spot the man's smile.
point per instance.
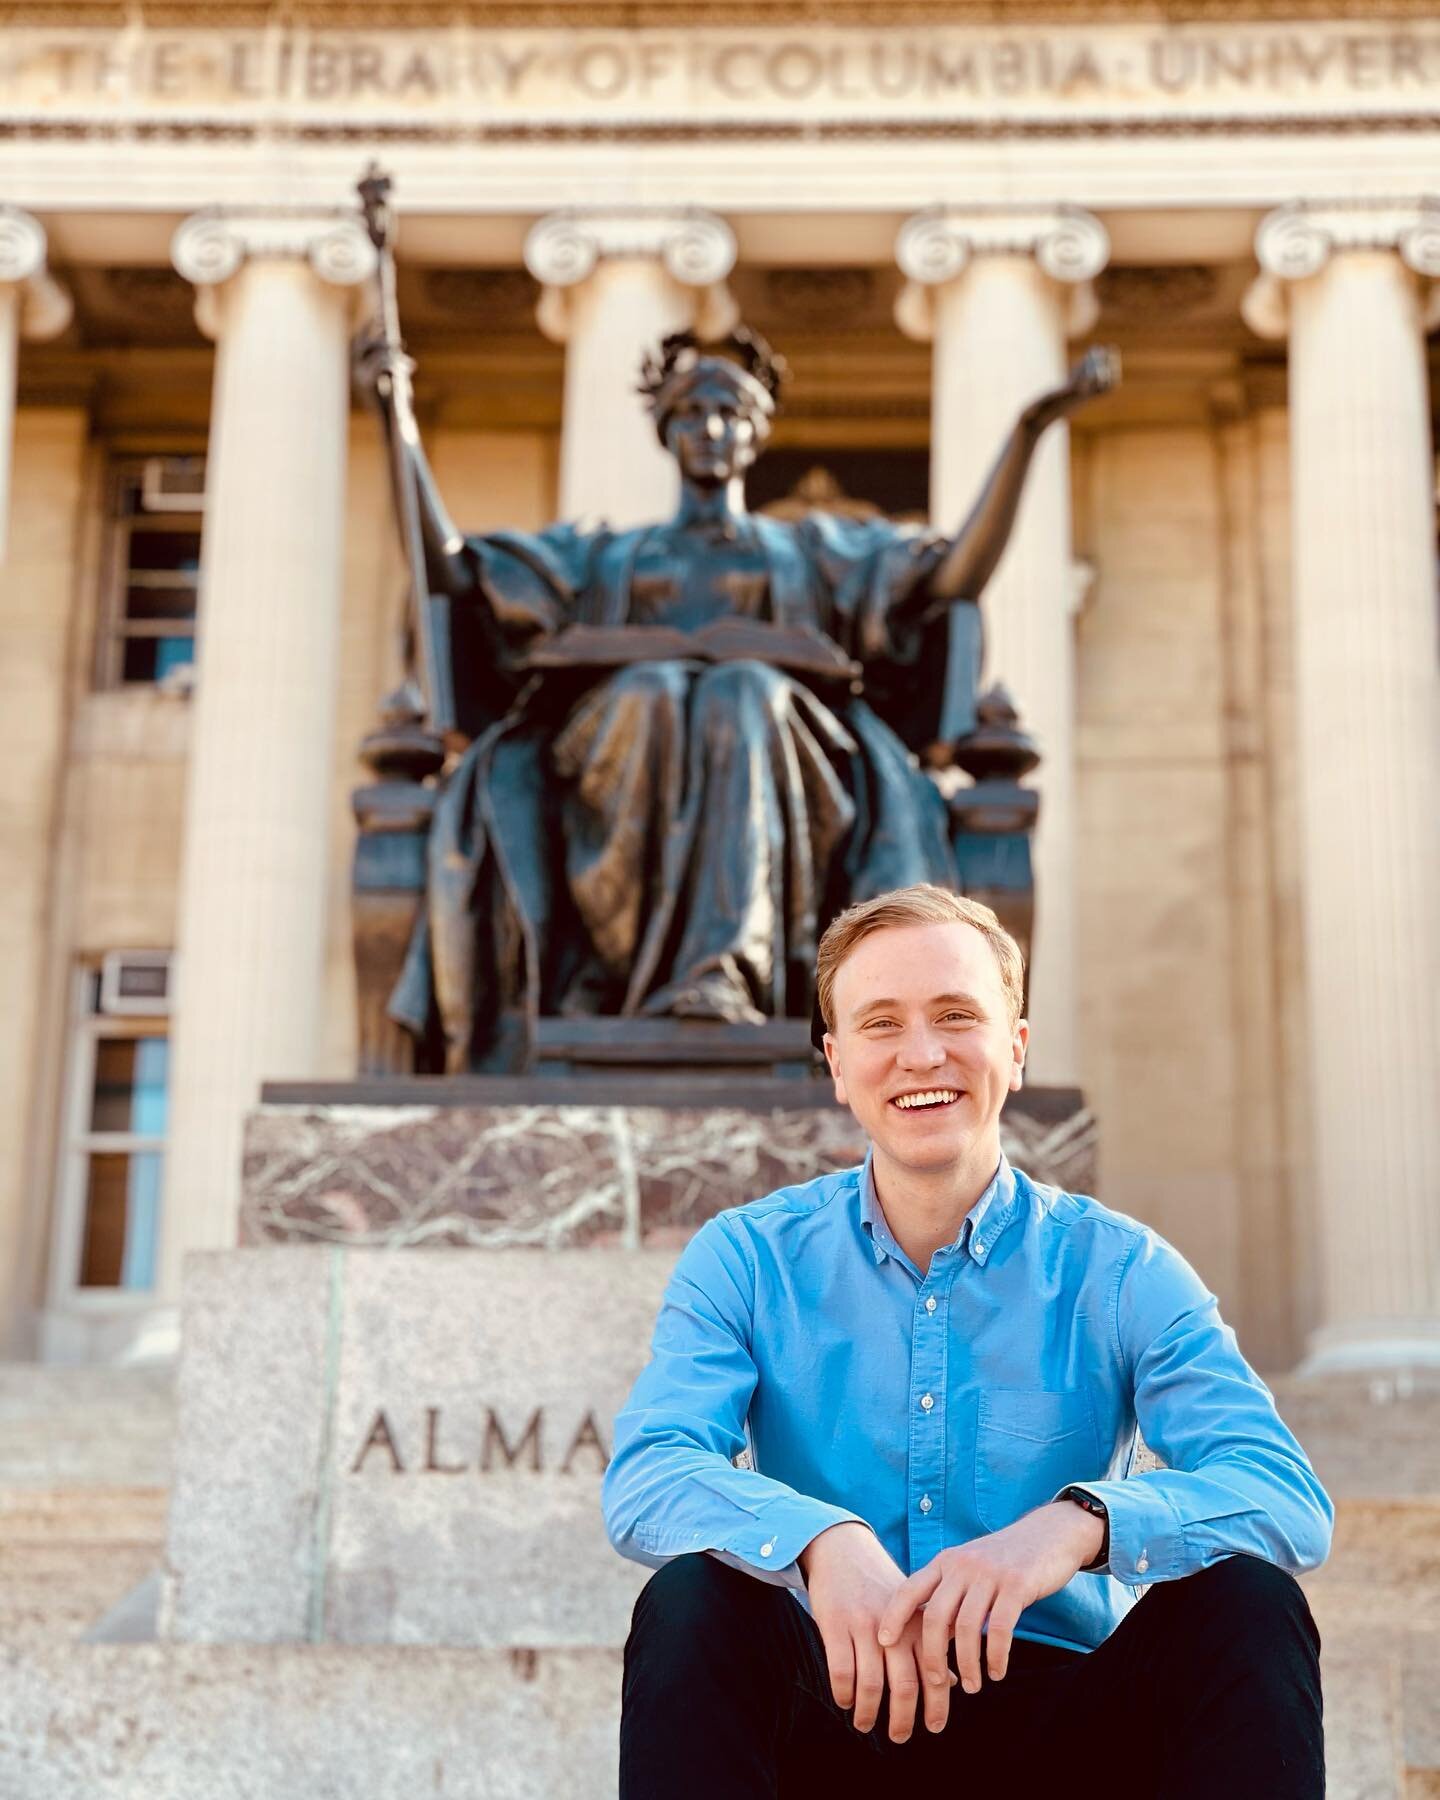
(927, 1099)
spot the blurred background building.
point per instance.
(1218, 616)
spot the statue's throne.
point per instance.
(992, 819)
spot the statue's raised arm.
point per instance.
(383, 371)
(980, 542)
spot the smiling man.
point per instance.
(933, 1557)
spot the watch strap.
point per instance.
(1099, 1510)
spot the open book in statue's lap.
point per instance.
(703, 733)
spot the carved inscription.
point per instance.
(570, 76)
(434, 1442)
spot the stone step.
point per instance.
(82, 1515)
(1379, 1708)
(54, 1593)
(189, 1722)
(64, 1427)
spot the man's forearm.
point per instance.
(1169, 1523)
(666, 1500)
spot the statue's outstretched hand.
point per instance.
(1097, 372)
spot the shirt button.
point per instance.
(765, 1549)
(1143, 1564)
(927, 1401)
(930, 1304)
(926, 1503)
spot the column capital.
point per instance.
(45, 306)
(1069, 244)
(1299, 240)
(694, 248)
(213, 246)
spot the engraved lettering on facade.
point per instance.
(479, 1441)
(433, 1464)
(587, 1437)
(379, 1436)
(495, 1439)
(721, 73)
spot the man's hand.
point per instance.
(994, 1578)
(851, 1581)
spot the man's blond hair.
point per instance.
(923, 904)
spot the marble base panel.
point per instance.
(535, 1170)
(390, 1449)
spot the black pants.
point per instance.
(1209, 1689)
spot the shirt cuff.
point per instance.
(1145, 1536)
(770, 1546)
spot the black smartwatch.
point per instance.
(1097, 1507)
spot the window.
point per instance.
(110, 1214)
(154, 516)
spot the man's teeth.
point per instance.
(935, 1097)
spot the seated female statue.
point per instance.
(703, 734)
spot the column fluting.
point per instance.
(1352, 285)
(279, 294)
(998, 293)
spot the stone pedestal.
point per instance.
(383, 1449)
(396, 1407)
(505, 1163)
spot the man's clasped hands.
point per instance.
(881, 1629)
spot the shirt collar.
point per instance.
(984, 1222)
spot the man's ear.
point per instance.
(1019, 1044)
(832, 1057)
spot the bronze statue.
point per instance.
(690, 743)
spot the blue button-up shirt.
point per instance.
(804, 1371)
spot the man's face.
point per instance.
(711, 437)
(920, 1011)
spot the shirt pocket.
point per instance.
(1030, 1442)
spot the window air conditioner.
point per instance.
(173, 484)
(136, 981)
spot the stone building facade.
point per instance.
(1218, 613)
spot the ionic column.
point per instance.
(32, 305)
(279, 295)
(1354, 287)
(998, 293)
(615, 284)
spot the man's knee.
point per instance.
(1247, 1598)
(691, 1595)
(1253, 1584)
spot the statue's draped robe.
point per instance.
(676, 829)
